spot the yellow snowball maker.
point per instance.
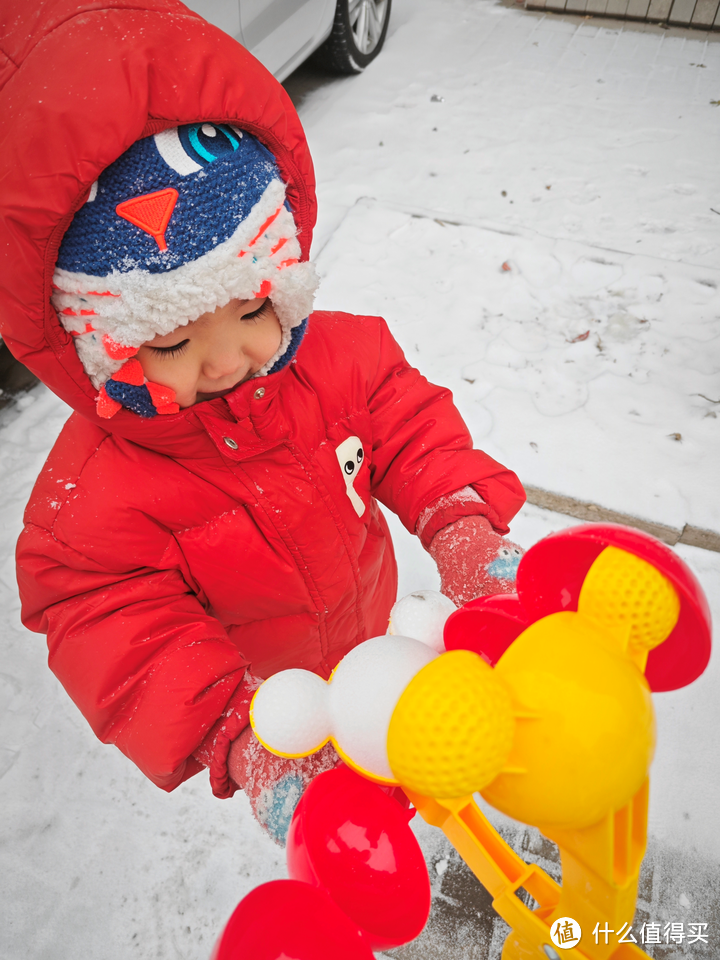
(560, 735)
(562, 729)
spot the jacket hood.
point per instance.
(79, 84)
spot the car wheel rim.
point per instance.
(367, 19)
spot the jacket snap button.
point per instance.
(230, 443)
(260, 393)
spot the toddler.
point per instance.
(209, 514)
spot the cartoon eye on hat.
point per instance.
(350, 457)
(189, 148)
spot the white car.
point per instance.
(344, 35)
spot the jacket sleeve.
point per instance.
(423, 451)
(149, 668)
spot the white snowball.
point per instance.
(422, 615)
(364, 691)
(290, 713)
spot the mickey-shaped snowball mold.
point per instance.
(585, 734)
(557, 734)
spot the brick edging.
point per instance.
(584, 510)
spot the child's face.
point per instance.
(205, 359)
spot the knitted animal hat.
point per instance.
(182, 223)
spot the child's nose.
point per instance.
(222, 362)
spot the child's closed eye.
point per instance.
(173, 351)
(177, 348)
(255, 315)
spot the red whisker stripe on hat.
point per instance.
(78, 333)
(98, 293)
(264, 227)
(288, 263)
(264, 291)
(279, 244)
(117, 351)
(69, 312)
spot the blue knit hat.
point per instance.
(182, 223)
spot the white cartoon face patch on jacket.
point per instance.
(350, 457)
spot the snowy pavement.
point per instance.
(583, 157)
(592, 372)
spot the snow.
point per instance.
(471, 113)
(363, 692)
(290, 713)
(422, 614)
(546, 340)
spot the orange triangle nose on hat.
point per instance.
(151, 212)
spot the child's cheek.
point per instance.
(145, 358)
(168, 372)
(265, 341)
(182, 382)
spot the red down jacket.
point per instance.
(160, 560)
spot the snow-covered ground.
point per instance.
(586, 369)
(583, 157)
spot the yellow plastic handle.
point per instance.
(502, 872)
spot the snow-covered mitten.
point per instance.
(214, 749)
(273, 784)
(473, 560)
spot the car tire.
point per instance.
(357, 35)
